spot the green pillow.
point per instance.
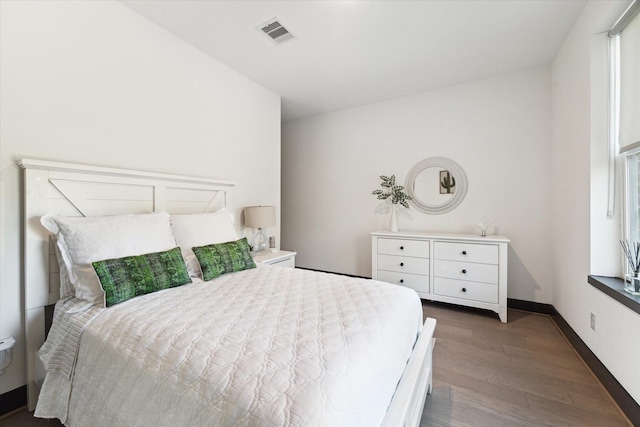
(224, 258)
(128, 277)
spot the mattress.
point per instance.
(270, 346)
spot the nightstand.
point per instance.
(281, 258)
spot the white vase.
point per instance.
(393, 227)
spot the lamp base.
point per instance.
(260, 242)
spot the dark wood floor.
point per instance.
(486, 373)
(523, 373)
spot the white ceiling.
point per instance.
(349, 53)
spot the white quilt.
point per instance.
(270, 346)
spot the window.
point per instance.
(633, 197)
(624, 117)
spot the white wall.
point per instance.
(93, 82)
(497, 129)
(579, 153)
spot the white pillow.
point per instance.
(83, 240)
(66, 287)
(192, 230)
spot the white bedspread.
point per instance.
(270, 346)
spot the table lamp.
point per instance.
(259, 217)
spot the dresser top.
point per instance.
(493, 238)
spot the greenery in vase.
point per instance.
(632, 252)
(392, 191)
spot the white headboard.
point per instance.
(79, 190)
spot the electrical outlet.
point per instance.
(593, 322)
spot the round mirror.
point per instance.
(437, 185)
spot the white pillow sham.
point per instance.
(83, 240)
(66, 287)
(192, 230)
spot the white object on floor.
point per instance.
(6, 344)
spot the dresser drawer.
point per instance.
(483, 292)
(487, 273)
(487, 254)
(413, 281)
(403, 264)
(413, 248)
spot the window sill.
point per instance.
(614, 287)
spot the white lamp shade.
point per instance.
(259, 216)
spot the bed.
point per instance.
(261, 345)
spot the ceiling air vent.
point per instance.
(275, 31)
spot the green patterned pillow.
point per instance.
(128, 277)
(224, 258)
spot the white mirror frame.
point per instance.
(444, 163)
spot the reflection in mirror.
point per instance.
(447, 182)
(437, 185)
(428, 186)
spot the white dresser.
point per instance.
(463, 269)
